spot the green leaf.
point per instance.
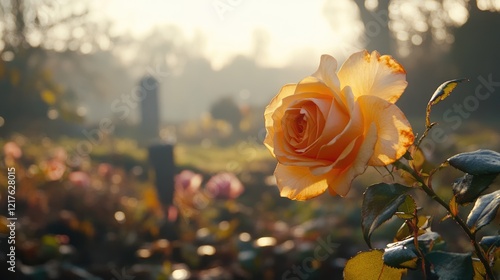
(407, 209)
(380, 202)
(480, 162)
(369, 265)
(469, 187)
(484, 211)
(451, 266)
(404, 254)
(429, 239)
(423, 223)
(488, 242)
(401, 256)
(443, 91)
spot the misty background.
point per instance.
(95, 195)
(66, 63)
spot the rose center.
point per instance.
(300, 122)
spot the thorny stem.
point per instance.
(414, 228)
(472, 235)
(427, 129)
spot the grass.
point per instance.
(235, 158)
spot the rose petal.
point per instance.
(338, 118)
(296, 182)
(327, 72)
(344, 159)
(395, 134)
(372, 74)
(313, 111)
(314, 85)
(285, 91)
(341, 140)
(282, 149)
(341, 183)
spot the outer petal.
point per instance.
(285, 91)
(341, 182)
(395, 134)
(372, 74)
(296, 182)
(342, 139)
(327, 72)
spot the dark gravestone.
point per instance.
(160, 154)
(150, 115)
(161, 157)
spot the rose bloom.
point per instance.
(224, 185)
(325, 130)
(79, 179)
(187, 181)
(53, 169)
(12, 150)
(187, 185)
(105, 170)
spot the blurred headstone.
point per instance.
(161, 157)
(150, 115)
(160, 154)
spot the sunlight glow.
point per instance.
(489, 5)
(283, 28)
(457, 13)
(52, 114)
(206, 250)
(244, 237)
(180, 274)
(371, 4)
(411, 19)
(224, 225)
(285, 247)
(202, 233)
(120, 216)
(265, 242)
(162, 243)
(144, 253)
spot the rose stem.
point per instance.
(458, 220)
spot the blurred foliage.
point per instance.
(226, 109)
(106, 211)
(32, 33)
(103, 215)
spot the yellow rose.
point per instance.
(325, 130)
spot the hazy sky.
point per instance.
(286, 29)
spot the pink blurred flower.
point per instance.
(187, 181)
(224, 185)
(79, 179)
(105, 170)
(59, 154)
(53, 169)
(187, 194)
(12, 150)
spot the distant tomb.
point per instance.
(150, 113)
(160, 154)
(161, 157)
